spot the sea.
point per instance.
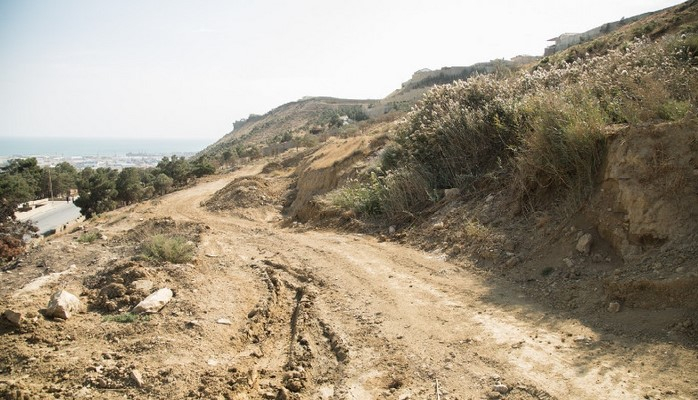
(70, 147)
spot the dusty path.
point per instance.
(409, 319)
(320, 315)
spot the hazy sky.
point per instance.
(185, 69)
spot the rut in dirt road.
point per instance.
(408, 319)
(274, 313)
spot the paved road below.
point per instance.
(53, 215)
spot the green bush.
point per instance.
(174, 249)
(361, 197)
(88, 237)
(674, 110)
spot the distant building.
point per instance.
(562, 42)
(567, 40)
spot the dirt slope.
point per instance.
(266, 312)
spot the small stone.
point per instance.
(294, 385)
(283, 394)
(155, 302)
(137, 377)
(14, 317)
(142, 285)
(568, 262)
(224, 321)
(391, 229)
(110, 305)
(500, 388)
(511, 262)
(62, 305)
(614, 307)
(584, 244)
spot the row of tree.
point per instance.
(100, 189)
(22, 180)
(104, 189)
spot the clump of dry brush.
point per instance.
(542, 132)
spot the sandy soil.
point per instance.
(266, 312)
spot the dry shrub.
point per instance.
(174, 249)
(460, 131)
(540, 131)
(405, 191)
(394, 195)
(564, 148)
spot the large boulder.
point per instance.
(62, 305)
(155, 302)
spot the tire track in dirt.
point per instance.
(406, 320)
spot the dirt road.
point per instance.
(267, 312)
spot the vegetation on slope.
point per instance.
(541, 133)
(297, 124)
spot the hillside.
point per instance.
(530, 234)
(314, 116)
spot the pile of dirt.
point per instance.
(247, 192)
(332, 164)
(119, 287)
(255, 198)
(161, 226)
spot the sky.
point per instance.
(183, 69)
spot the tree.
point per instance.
(228, 156)
(162, 184)
(202, 167)
(355, 113)
(129, 187)
(12, 231)
(57, 181)
(177, 168)
(19, 182)
(15, 189)
(97, 191)
(66, 176)
(28, 170)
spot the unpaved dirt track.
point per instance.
(404, 319)
(323, 315)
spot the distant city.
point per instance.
(95, 153)
(115, 161)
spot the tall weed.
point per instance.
(540, 132)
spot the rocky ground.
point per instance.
(267, 312)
